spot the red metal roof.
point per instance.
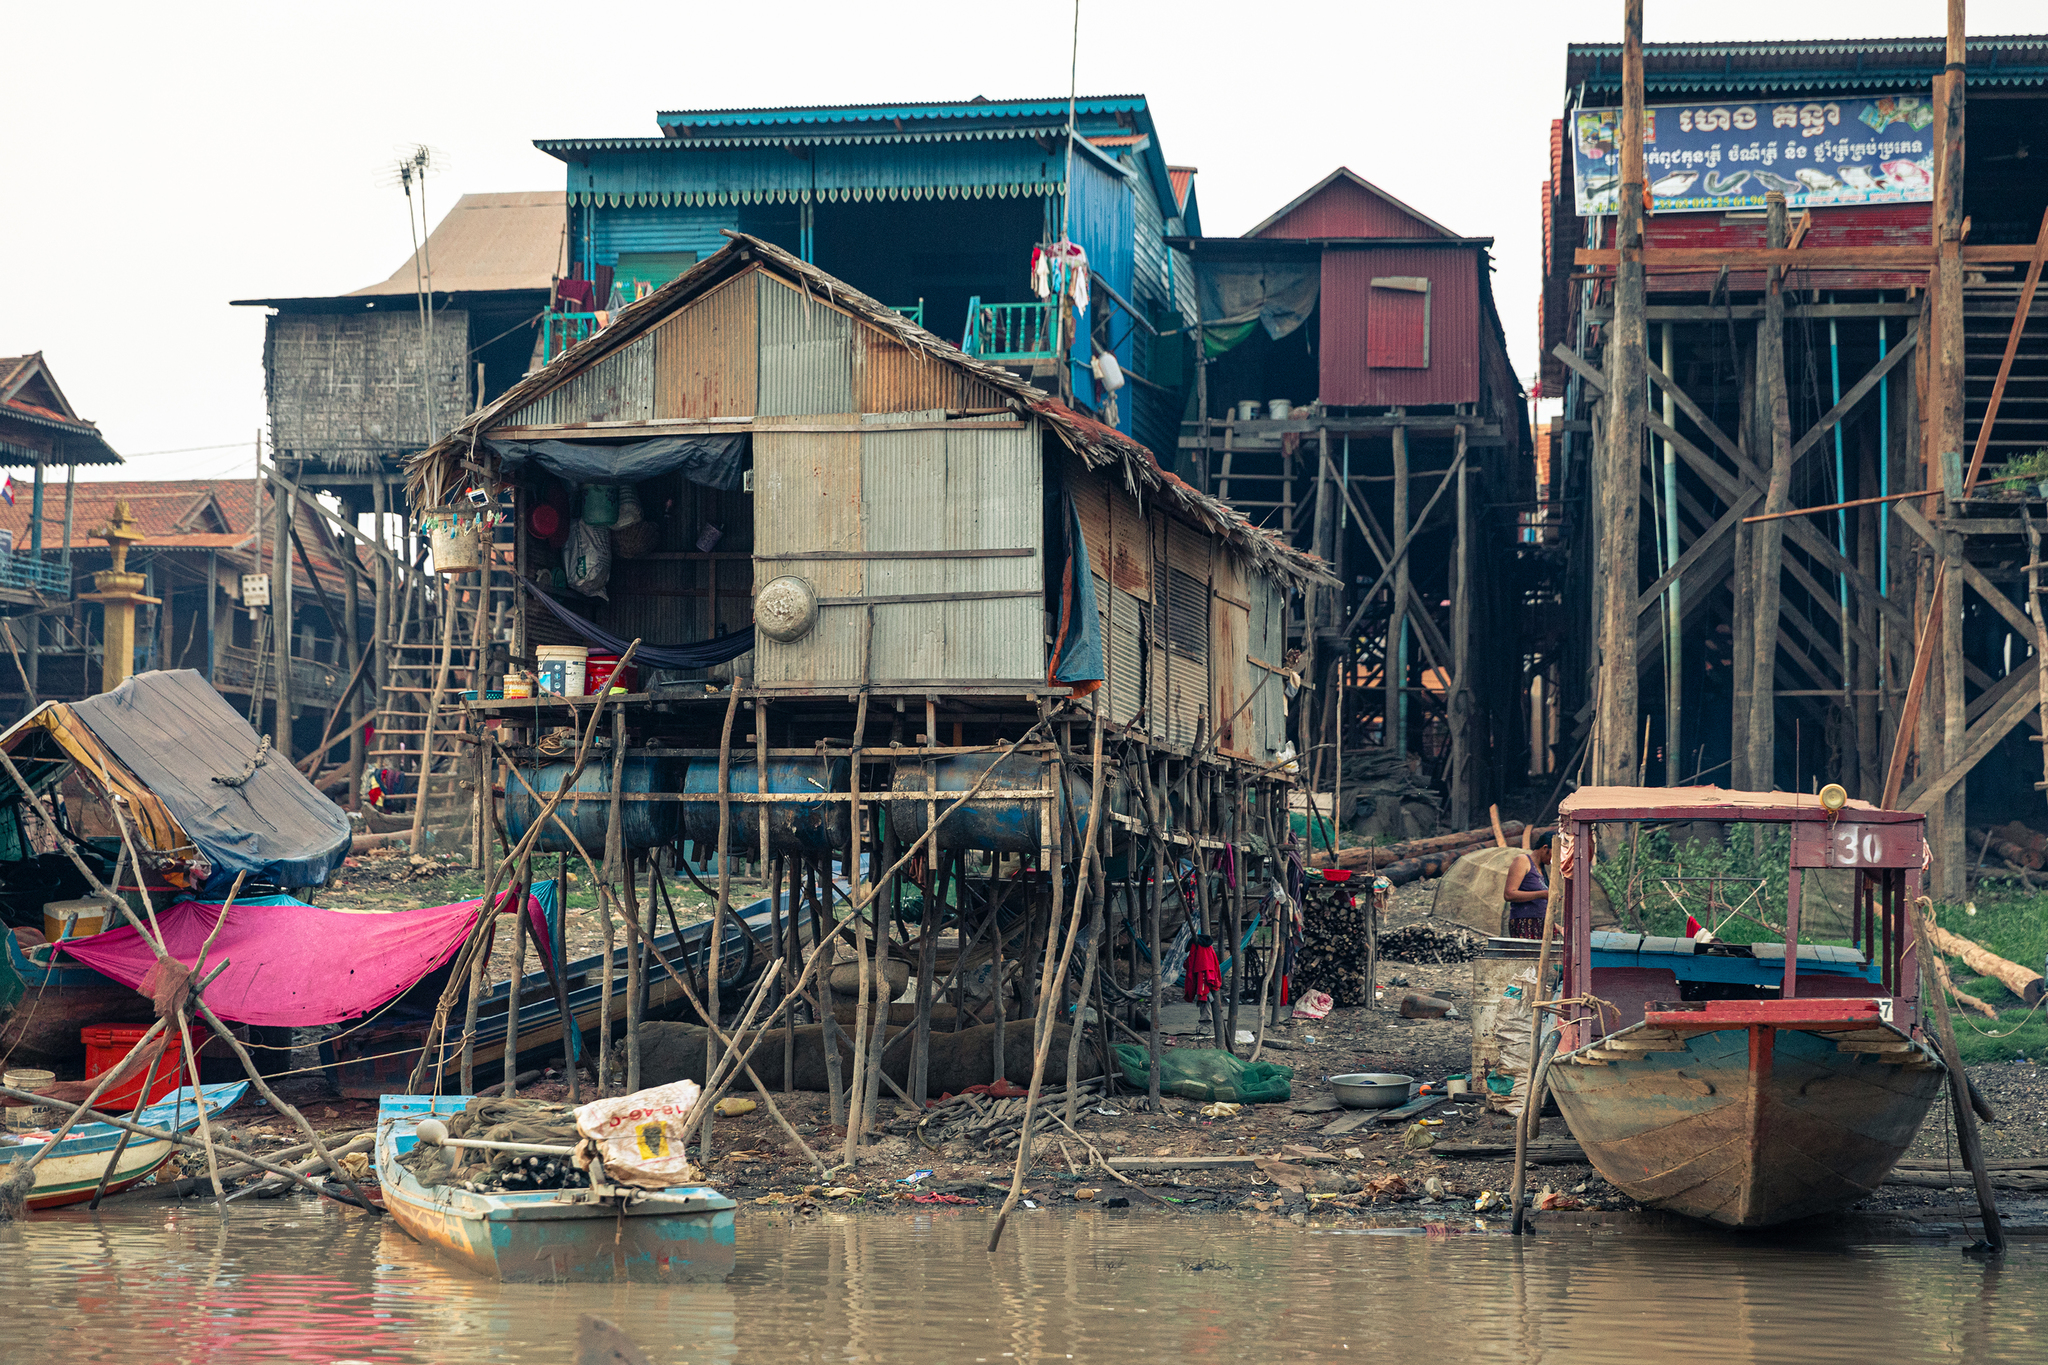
(1181, 177)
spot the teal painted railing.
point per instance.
(560, 331)
(915, 311)
(24, 572)
(1005, 332)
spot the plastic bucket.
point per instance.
(598, 674)
(107, 1044)
(74, 919)
(453, 536)
(1279, 409)
(518, 687)
(22, 1117)
(562, 669)
(1248, 410)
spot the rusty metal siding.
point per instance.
(1347, 209)
(807, 496)
(807, 353)
(1265, 723)
(618, 388)
(1229, 642)
(706, 356)
(1864, 225)
(1455, 323)
(957, 489)
(892, 377)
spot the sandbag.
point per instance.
(643, 1137)
(671, 1051)
(587, 559)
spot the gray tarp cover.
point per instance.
(1279, 295)
(715, 459)
(176, 734)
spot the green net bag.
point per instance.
(1206, 1074)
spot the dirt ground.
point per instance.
(1376, 1173)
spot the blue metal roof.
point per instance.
(885, 113)
(1870, 65)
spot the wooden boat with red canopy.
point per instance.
(1752, 1105)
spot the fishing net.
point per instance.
(1206, 1074)
(497, 1119)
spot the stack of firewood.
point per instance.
(1336, 944)
(1425, 944)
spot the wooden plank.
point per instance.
(1701, 544)
(1972, 575)
(1020, 552)
(1980, 739)
(1757, 257)
(1584, 368)
(1855, 395)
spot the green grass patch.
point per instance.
(1979, 1040)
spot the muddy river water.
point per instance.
(307, 1281)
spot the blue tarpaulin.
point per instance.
(1077, 658)
(709, 653)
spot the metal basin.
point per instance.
(1372, 1089)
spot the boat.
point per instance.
(604, 1234)
(72, 1172)
(1779, 1081)
(58, 1000)
(382, 1058)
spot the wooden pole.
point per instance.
(1967, 1135)
(1157, 796)
(1628, 420)
(1396, 673)
(1769, 542)
(281, 624)
(1532, 1102)
(711, 993)
(1459, 692)
(509, 1087)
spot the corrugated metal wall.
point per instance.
(1119, 557)
(1455, 323)
(613, 230)
(1229, 641)
(891, 377)
(1345, 209)
(807, 496)
(1268, 644)
(706, 357)
(958, 489)
(1103, 221)
(618, 388)
(807, 353)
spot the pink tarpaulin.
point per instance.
(291, 964)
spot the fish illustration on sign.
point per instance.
(1907, 175)
(1860, 178)
(1817, 181)
(1718, 186)
(1673, 185)
(1777, 182)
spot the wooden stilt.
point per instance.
(1616, 723)
(509, 1087)
(711, 952)
(1460, 697)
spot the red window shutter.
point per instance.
(1397, 323)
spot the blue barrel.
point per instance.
(648, 824)
(793, 826)
(1008, 826)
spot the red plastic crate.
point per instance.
(107, 1044)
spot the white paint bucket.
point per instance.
(562, 669)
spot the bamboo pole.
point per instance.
(1959, 1096)
(711, 949)
(1532, 1102)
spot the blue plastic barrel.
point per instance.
(648, 824)
(1009, 826)
(794, 827)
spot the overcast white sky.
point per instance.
(162, 160)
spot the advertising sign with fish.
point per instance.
(1703, 158)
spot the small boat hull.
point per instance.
(70, 1174)
(677, 1236)
(1751, 1125)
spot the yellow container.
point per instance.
(75, 919)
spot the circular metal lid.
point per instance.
(786, 608)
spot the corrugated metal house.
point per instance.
(934, 208)
(906, 483)
(1353, 368)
